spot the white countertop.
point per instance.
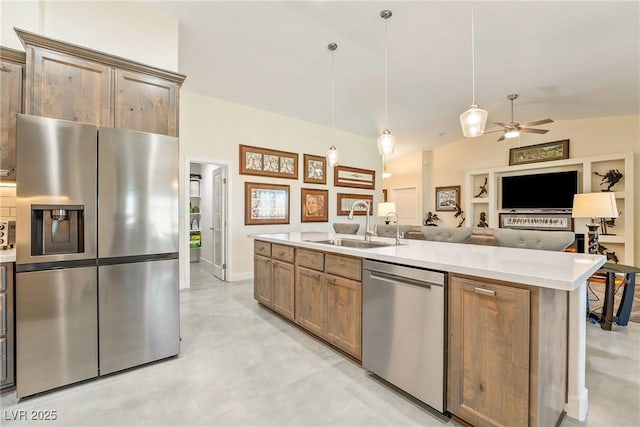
(548, 269)
(8, 255)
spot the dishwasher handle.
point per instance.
(394, 278)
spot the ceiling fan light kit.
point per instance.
(475, 118)
(386, 141)
(513, 129)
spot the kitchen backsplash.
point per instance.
(7, 203)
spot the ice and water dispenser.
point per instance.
(57, 229)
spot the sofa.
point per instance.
(526, 239)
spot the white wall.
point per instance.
(112, 27)
(211, 130)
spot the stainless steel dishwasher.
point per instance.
(403, 328)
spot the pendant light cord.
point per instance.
(333, 53)
(473, 59)
(386, 89)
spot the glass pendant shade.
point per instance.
(473, 121)
(386, 143)
(332, 156)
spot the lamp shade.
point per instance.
(594, 205)
(473, 121)
(386, 208)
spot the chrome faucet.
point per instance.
(397, 226)
(367, 233)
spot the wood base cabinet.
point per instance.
(273, 283)
(507, 353)
(323, 294)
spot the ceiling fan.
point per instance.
(513, 129)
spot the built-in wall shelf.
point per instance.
(623, 240)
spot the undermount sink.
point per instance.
(351, 243)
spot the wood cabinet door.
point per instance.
(66, 87)
(146, 103)
(344, 314)
(311, 301)
(10, 105)
(262, 272)
(283, 288)
(488, 382)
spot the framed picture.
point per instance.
(315, 169)
(555, 150)
(265, 162)
(344, 176)
(266, 203)
(447, 198)
(385, 195)
(537, 221)
(314, 205)
(346, 201)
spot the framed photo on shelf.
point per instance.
(545, 152)
(314, 205)
(345, 176)
(447, 198)
(346, 201)
(266, 203)
(266, 162)
(561, 221)
(315, 169)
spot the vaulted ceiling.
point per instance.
(566, 60)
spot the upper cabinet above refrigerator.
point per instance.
(70, 82)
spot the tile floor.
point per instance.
(242, 365)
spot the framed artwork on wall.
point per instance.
(346, 201)
(345, 176)
(555, 150)
(447, 198)
(266, 203)
(314, 205)
(537, 221)
(315, 169)
(266, 162)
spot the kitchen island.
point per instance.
(557, 272)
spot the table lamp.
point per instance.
(594, 205)
(386, 208)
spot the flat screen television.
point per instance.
(540, 191)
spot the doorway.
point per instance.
(406, 205)
(207, 226)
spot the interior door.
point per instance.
(219, 222)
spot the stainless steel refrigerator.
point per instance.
(97, 251)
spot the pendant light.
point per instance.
(386, 141)
(474, 119)
(332, 154)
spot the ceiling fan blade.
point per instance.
(494, 131)
(501, 138)
(529, 130)
(537, 123)
(504, 125)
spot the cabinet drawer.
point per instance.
(344, 266)
(310, 259)
(283, 253)
(262, 248)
